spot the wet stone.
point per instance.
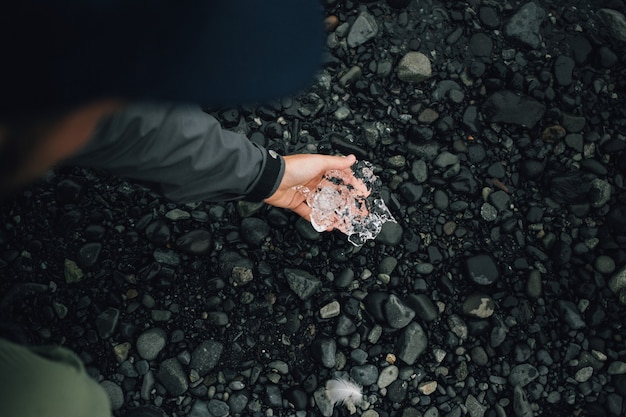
(115, 394)
(106, 322)
(178, 214)
(521, 406)
(362, 30)
(508, 107)
(396, 392)
(570, 314)
(414, 67)
(323, 349)
(523, 375)
(411, 343)
(172, 376)
(72, 272)
(479, 356)
(387, 376)
(390, 234)
(150, 343)
(195, 242)
(524, 25)
(254, 230)
(158, 233)
(424, 308)
(563, 67)
(206, 356)
(480, 45)
(302, 283)
(482, 269)
(478, 306)
(398, 314)
(88, 254)
(364, 374)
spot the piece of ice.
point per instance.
(349, 200)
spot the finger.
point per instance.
(303, 210)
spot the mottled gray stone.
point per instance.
(411, 343)
(414, 67)
(524, 25)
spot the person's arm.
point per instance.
(183, 153)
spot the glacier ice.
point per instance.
(349, 200)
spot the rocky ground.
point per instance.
(497, 130)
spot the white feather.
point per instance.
(343, 392)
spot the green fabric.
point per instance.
(47, 382)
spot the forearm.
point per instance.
(184, 152)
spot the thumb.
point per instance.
(339, 162)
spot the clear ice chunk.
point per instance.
(349, 200)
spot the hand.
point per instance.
(306, 170)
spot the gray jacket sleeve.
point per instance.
(183, 153)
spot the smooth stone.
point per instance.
(158, 232)
(196, 242)
(390, 234)
(397, 313)
(411, 343)
(618, 281)
(362, 30)
(364, 374)
(150, 343)
(178, 214)
(478, 306)
(571, 315)
(508, 107)
(522, 375)
(424, 308)
(115, 394)
(387, 376)
(482, 269)
(302, 283)
(173, 377)
(524, 26)
(324, 349)
(88, 254)
(414, 67)
(206, 356)
(521, 405)
(106, 322)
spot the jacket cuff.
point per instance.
(270, 177)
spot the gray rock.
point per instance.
(398, 314)
(479, 306)
(150, 343)
(563, 67)
(482, 269)
(364, 374)
(600, 192)
(387, 376)
(614, 22)
(115, 394)
(480, 45)
(390, 234)
(411, 343)
(205, 356)
(571, 315)
(479, 356)
(618, 281)
(324, 349)
(458, 326)
(419, 170)
(474, 407)
(414, 67)
(522, 375)
(521, 405)
(362, 30)
(199, 409)
(445, 159)
(424, 308)
(508, 107)
(218, 408)
(534, 284)
(238, 402)
(89, 253)
(524, 25)
(106, 322)
(172, 376)
(302, 283)
(195, 242)
(254, 230)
